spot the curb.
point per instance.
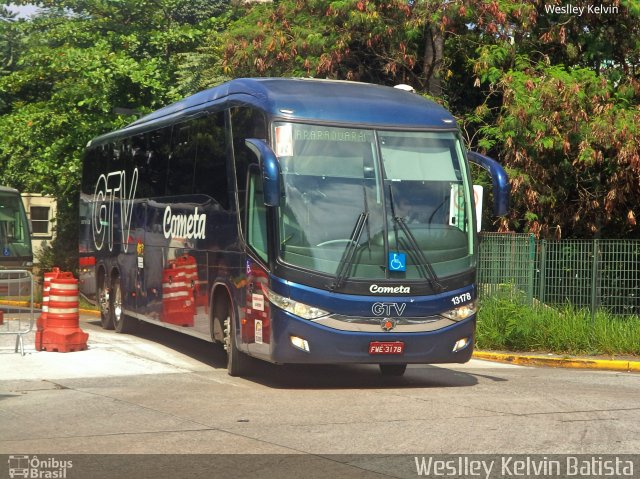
(22, 304)
(25, 304)
(557, 362)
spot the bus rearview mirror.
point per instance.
(270, 169)
(499, 180)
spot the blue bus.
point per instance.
(291, 220)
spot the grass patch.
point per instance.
(84, 304)
(37, 300)
(506, 322)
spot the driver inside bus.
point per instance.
(411, 211)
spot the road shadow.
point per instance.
(357, 376)
(307, 376)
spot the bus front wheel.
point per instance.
(237, 361)
(392, 369)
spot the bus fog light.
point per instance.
(461, 344)
(300, 343)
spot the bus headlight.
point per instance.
(295, 307)
(461, 312)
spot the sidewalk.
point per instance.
(108, 354)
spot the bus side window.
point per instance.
(256, 213)
(181, 171)
(115, 157)
(211, 160)
(151, 160)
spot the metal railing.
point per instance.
(17, 305)
(594, 274)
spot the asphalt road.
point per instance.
(159, 392)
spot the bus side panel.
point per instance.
(187, 262)
(156, 211)
(94, 165)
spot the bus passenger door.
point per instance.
(256, 327)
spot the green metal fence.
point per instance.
(593, 274)
(506, 263)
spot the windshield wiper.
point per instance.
(422, 262)
(347, 255)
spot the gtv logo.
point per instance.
(113, 190)
(388, 309)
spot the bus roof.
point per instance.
(302, 99)
(8, 189)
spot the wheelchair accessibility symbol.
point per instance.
(397, 261)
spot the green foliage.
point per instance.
(508, 324)
(199, 69)
(65, 71)
(560, 109)
(379, 42)
(570, 137)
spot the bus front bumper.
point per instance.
(298, 341)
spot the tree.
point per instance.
(353, 40)
(8, 39)
(77, 61)
(572, 145)
(561, 110)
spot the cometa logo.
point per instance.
(191, 226)
(376, 289)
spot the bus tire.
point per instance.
(104, 301)
(121, 322)
(392, 369)
(237, 361)
(217, 321)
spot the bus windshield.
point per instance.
(15, 239)
(395, 199)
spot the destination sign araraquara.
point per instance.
(308, 137)
(330, 134)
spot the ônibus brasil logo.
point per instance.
(34, 467)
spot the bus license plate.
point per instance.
(380, 347)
